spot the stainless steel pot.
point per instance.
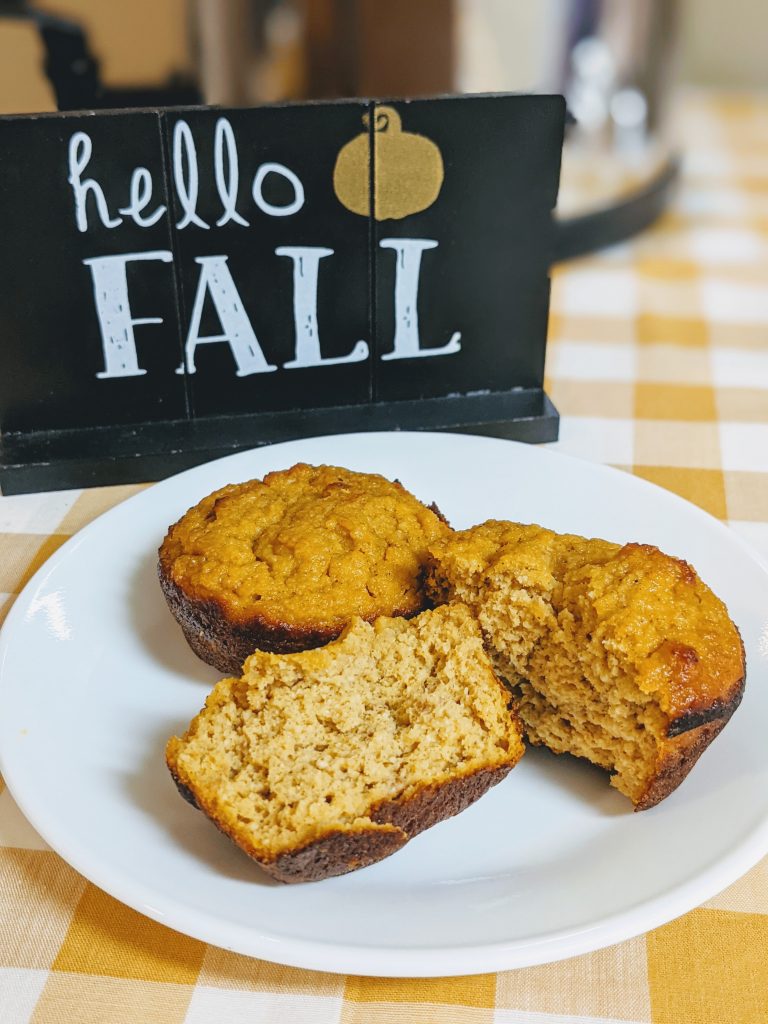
(614, 60)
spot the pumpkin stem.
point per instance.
(387, 119)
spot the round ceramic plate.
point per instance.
(95, 677)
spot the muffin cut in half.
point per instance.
(620, 655)
(324, 761)
(284, 563)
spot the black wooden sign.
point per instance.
(179, 284)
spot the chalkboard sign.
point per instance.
(179, 284)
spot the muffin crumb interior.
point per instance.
(307, 743)
(603, 644)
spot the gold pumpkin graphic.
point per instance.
(408, 170)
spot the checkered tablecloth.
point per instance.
(658, 361)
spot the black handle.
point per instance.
(576, 236)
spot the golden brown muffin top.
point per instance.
(311, 545)
(648, 609)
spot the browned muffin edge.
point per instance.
(338, 853)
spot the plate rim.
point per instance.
(372, 960)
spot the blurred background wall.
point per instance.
(720, 43)
(251, 50)
(726, 43)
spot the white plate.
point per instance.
(95, 676)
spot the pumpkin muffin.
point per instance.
(620, 655)
(324, 761)
(284, 563)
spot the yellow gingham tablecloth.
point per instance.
(658, 362)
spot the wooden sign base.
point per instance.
(99, 456)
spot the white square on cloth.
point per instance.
(610, 292)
